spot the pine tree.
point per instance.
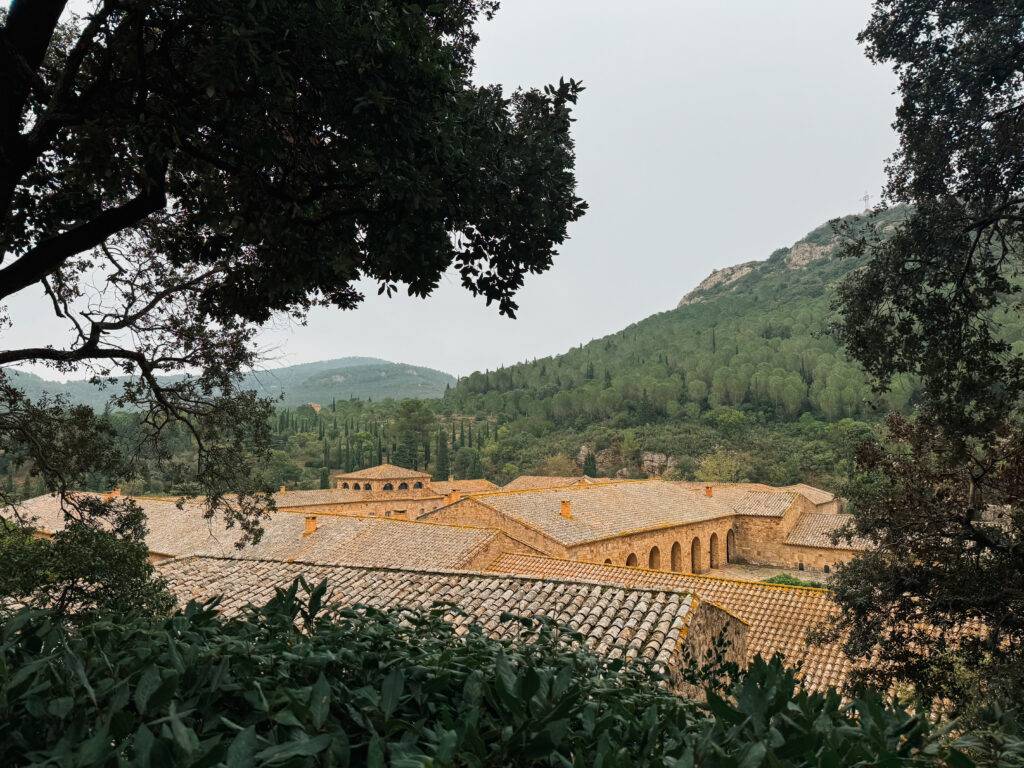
(590, 465)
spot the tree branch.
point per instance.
(50, 254)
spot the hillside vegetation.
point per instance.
(320, 382)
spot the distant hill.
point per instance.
(753, 336)
(319, 382)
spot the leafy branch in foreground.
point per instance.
(293, 684)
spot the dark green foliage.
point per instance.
(98, 563)
(441, 466)
(292, 685)
(467, 464)
(942, 500)
(792, 581)
(590, 465)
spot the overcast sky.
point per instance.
(709, 133)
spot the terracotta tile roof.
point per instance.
(299, 499)
(353, 540)
(603, 510)
(814, 529)
(756, 499)
(381, 472)
(616, 621)
(528, 482)
(444, 487)
(779, 617)
(816, 496)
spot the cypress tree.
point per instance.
(462, 434)
(441, 467)
(325, 479)
(590, 465)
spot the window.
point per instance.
(417, 484)
(631, 560)
(677, 557)
(388, 487)
(713, 550)
(388, 513)
(355, 486)
(800, 567)
(344, 485)
(827, 569)
(367, 487)
(654, 559)
(730, 546)
(607, 561)
(403, 486)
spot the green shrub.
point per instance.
(792, 581)
(292, 685)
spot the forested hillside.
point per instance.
(319, 382)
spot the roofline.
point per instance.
(546, 535)
(435, 572)
(703, 576)
(286, 507)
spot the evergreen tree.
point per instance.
(441, 466)
(325, 479)
(590, 465)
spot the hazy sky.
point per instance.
(710, 133)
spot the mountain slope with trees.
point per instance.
(319, 382)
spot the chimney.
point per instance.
(709, 491)
(284, 488)
(566, 509)
(310, 525)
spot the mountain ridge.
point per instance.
(318, 382)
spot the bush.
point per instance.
(292, 685)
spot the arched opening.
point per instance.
(367, 487)
(677, 557)
(631, 560)
(403, 486)
(827, 569)
(607, 561)
(388, 487)
(800, 567)
(730, 546)
(417, 484)
(696, 560)
(355, 486)
(344, 485)
(713, 550)
(654, 559)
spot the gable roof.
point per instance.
(532, 482)
(321, 497)
(349, 539)
(381, 472)
(617, 622)
(816, 496)
(444, 487)
(603, 510)
(814, 529)
(779, 616)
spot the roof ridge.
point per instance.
(641, 569)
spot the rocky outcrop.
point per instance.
(656, 464)
(718, 278)
(803, 253)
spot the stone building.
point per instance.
(678, 527)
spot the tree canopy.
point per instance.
(174, 173)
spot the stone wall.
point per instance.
(814, 558)
(760, 540)
(472, 513)
(708, 624)
(678, 540)
(493, 549)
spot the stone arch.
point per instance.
(417, 484)
(730, 546)
(388, 487)
(344, 485)
(654, 559)
(677, 556)
(713, 551)
(631, 560)
(607, 561)
(828, 569)
(696, 556)
(800, 566)
(367, 487)
(355, 486)
(403, 486)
